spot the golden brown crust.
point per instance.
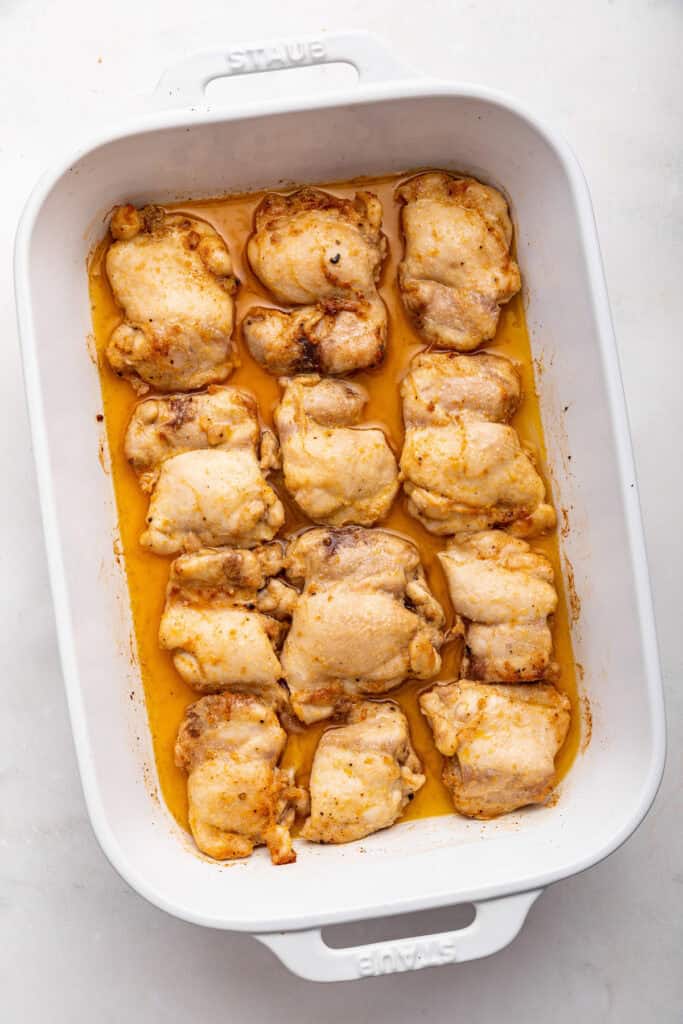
(322, 255)
(230, 744)
(172, 277)
(457, 269)
(500, 742)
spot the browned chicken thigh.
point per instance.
(457, 270)
(172, 275)
(336, 471)
(464, 467)
(505, 592)
(364, 774)
(500, 742)
(204, 458)
(323, 254)
(220, 417)
(230, 744)
(224, 619)
(364, 621)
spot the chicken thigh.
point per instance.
(457, 270)
(323, 254)
(173, 278)
(210, 498)
(500, 742)
(336, 472)
(224, 619)
(204, 458)
(363, 775)
(229, 745)
(464, 468)
(364, 621)
(220, 417)
(505, 591)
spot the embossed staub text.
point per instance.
(407, 957)
(267, 58)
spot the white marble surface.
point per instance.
(76, 945)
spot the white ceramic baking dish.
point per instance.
(387, 122)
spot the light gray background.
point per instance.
(76, 945)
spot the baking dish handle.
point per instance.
(495, 925)
(185, 82)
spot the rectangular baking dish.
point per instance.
(388, 122)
